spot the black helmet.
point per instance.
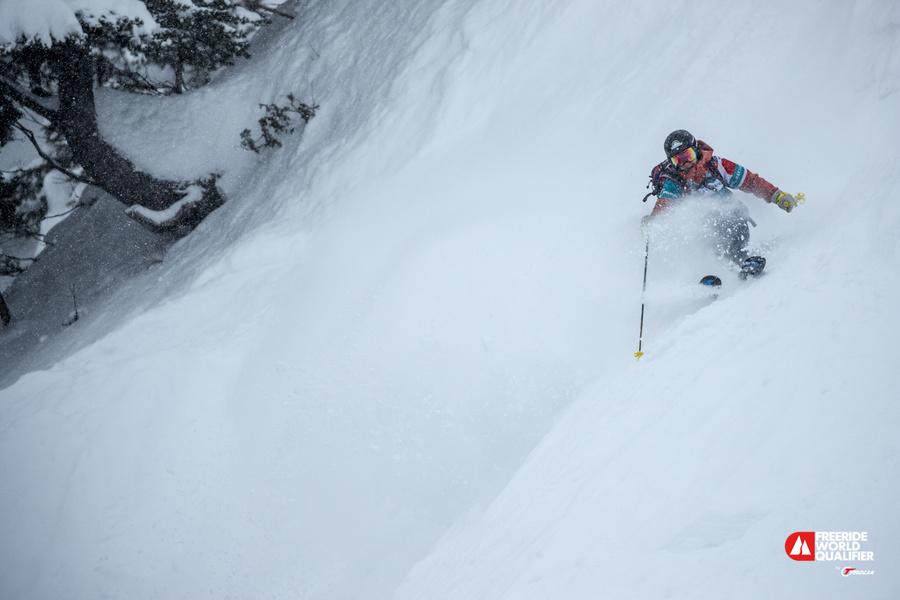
(678, 141)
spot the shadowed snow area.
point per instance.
(398, 362)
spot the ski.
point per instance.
(711, 281)
(711, 284)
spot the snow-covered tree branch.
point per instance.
(53, 55)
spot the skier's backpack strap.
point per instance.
(658, 176)
(712, 167)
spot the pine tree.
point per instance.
(198, 38)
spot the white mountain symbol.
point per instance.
(800, 547)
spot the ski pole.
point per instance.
(639, 353)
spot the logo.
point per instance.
(800, 544)
(848, 571)
(828, 546)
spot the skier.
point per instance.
(691, 169)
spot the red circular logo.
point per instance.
(801, 545)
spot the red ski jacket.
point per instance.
(712, 175)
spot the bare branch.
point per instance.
(13, 91)
(62, 214)
(30, 135)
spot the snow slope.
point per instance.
(402, 350)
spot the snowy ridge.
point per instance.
(397, 362)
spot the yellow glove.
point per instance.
(783, 200)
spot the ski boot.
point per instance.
(752, 266)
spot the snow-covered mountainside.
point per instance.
(398, 361)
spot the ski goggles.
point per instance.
(683, 158)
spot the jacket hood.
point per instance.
(697, 173)
(706, 149)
